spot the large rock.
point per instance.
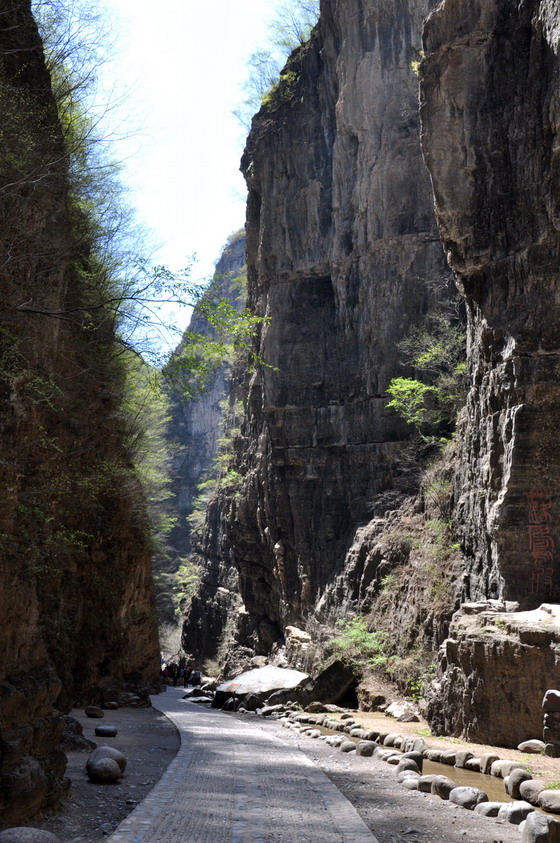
(259, 683)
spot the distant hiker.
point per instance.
(188, 672)
(196, 678)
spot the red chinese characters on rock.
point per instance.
(541, 541)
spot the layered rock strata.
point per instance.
(490, 114)
(341, 244)
(75, 589)
(495, 668)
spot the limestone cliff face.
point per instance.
(341, 241)
(490, 115)
(196, 426)
(75, 589)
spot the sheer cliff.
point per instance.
(490, 115)
(343, 256)
(76, 598)
(195, 428)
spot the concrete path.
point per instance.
(232, 782)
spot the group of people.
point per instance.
(181, 674)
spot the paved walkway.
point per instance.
(232, 782)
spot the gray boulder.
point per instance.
(529, 790)
(442, 786)
(104, 770)
(488, 809)
(549, 800)
(514, 780)
(410, 783)
(108, 752)
(461, 757)
(425, 783)
(533, 746)
(407, 764)
(515, 812)
(538, 828)
(365, 748)
(347, 746)
(467, 797)
(93, 711)
(486, 762)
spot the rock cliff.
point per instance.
(196, 426)
(489, 89)
(341, 245)
(75, 590)
(490, 114)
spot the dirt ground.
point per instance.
(393, 814)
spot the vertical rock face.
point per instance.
(75, 589)
(341, 240)
(196, 426)
(490, 115)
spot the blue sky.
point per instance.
(180, 65)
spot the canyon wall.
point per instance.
(196, 426)
(490, 114)
(343, 257)
(76, 598)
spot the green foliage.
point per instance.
(357, 644)
(429, 402)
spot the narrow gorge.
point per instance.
(407, 151)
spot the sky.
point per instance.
(178, 66)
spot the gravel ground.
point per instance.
(150, 741)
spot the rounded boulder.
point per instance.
(365, 748)
(106, 731)
(442, 786)
(93, 711)
(108, 752)
(104, 770)
(467, 797)
(515, 812)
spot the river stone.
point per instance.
(415, 756)
(111, 705)
(108, 752)
(488, 809)
(533, 746)
(467, 797)
(442, 786)
(486, 762)
(23, 834)
(529, 790)
(393, 759)
(461, 758)
(314, 733)
(407, 774)
(549, 800)
(371, 735)
(103, 770)
(407, 764)
(346, 716)
(365, 748)
(514, 780)
(106, 731)
(419, 745)
(358, 733)
(425, 783)
(347, 746)
(390, 739)
(514, 812)
(410, 783)
(448, 757)
(551, 701)
(538, 828)
(93, 711)
(434, 755)
(473, 764)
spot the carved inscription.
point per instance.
(541, 541)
